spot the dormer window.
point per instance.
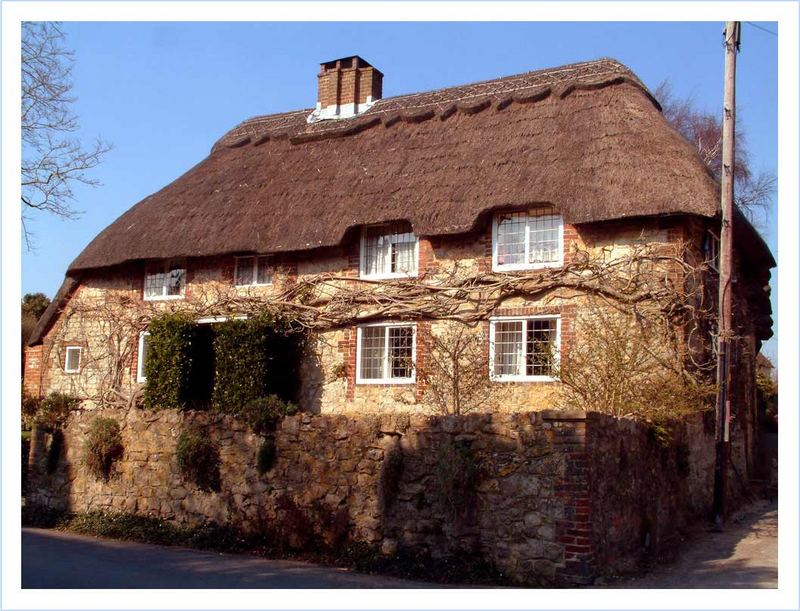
(165, 280)
(389, 251)
(531, 239)
(253, 271)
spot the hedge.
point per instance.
(256, 357)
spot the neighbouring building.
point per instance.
(517, 177)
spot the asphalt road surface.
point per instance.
(744, 555)
(52, 559)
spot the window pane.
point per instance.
(73, 361)
(389, 249)
(375, 250)
(264, 271)
(373, 352)
(508, 348)
(511, 239)
(401, 353)
(154, 283)
(541, 338)
(403, 259)
(543, 239)
(175, 281)
(244, 271)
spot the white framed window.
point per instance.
(524, 348)
(712, 250)
(165, 280)
(253, 271)
(531, 239)
(386, 353)
(72, 359)
(142, 358)
(389, 251)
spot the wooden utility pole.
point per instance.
(725, 326)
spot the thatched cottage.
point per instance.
(412, 205)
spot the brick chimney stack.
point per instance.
(347, 87)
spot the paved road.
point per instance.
(744, 555)
(52, 559)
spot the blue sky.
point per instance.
(162, 93)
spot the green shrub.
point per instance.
(103, 445)
(29, 407)
(263, 414)
(168, 367)
(255, 357)
(53, 410)
(266, 456)
(198, 460)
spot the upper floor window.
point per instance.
(165, 280)
(72, 359)
(389, 251)
(527, 240)
(253, 271)
(523, 348)
(386, 354)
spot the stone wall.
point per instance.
(553, 497)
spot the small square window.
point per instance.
(524, 349)
(389, 251)
(253, 271)
(165, 280)
(386, 354)
(527, 240)
(72, 360)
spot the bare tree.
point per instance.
(753, 190)
(53, 160)
(456, 375)
(630, 363)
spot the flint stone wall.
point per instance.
(551, 501)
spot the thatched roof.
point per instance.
(587, 138)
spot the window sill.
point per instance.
(250, 286)
(387, 382)
(503, 379)
(164, 297)
(522, 267)
(394, 276)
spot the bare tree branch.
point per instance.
(752, 190)
(53, 160)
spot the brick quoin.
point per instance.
(574, 531)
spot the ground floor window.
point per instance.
(386, 354)
(523, 348)
(72, 360)
(143, 349)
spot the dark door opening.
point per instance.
(201, 381)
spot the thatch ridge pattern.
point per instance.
(601, 152)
